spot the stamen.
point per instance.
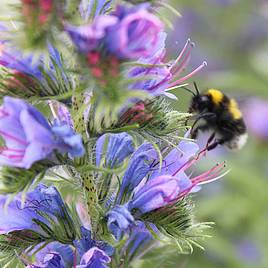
(181, 54)
(209, 174)
(190, 162)
(204, 180)
(13, 156)
(13, 138)
(179, 81)
(184, 62)
(5, 149)
(215, 178)
(163, 81)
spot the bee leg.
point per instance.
(216, 143)
(210, 139)
(194, 132)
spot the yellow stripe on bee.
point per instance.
(234, 110)
(216, 95)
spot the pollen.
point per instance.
(234, 110)
(216, 95)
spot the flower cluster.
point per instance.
(147, 186)
(29, 138)
(116, 165)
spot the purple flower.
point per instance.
(171, 182)
(14, 59)
(114, 147)
(248, 251)
(119, 220)
(135, 35)
(68, 138)
(139, 166)
(15, 218)
(155, 194)
(128, 33)
(139, 239)
(88, 37)
(50, 260)
(176, 158)
(29, 138)
(255, 115)
(164, 75)
(94, 258)
(56, 255)
(42, 198)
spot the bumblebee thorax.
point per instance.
(215, 95)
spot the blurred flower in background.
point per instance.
(256, 115)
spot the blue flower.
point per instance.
(66, 135)
(55, 253)
(114, 147)
(94, 258)
(139, 239)
(12, 58)
(16, 218)
(29, 138)
(139, 166)
(86, 243)
(176, 158)
(128, 33)
(88, 37)
(119, 220)
(156, 193)
(42, 198)
(161, 75)
(135, 35)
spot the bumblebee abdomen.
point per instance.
(237, 142)
(234, 110)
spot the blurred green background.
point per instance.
(232, 35)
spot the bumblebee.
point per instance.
(220, 114)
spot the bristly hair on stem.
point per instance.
(176, 223)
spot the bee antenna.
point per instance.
(196, 89)
(187, 89)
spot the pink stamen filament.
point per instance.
(5, 149)
(210, 174)
(184, 62)
(13, 156)
(179, 81)
(179, 68)
(217, 169)
(188, 163)
(13, 138)
(163, 81)
(181, 54)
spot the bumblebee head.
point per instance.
(199, 103)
